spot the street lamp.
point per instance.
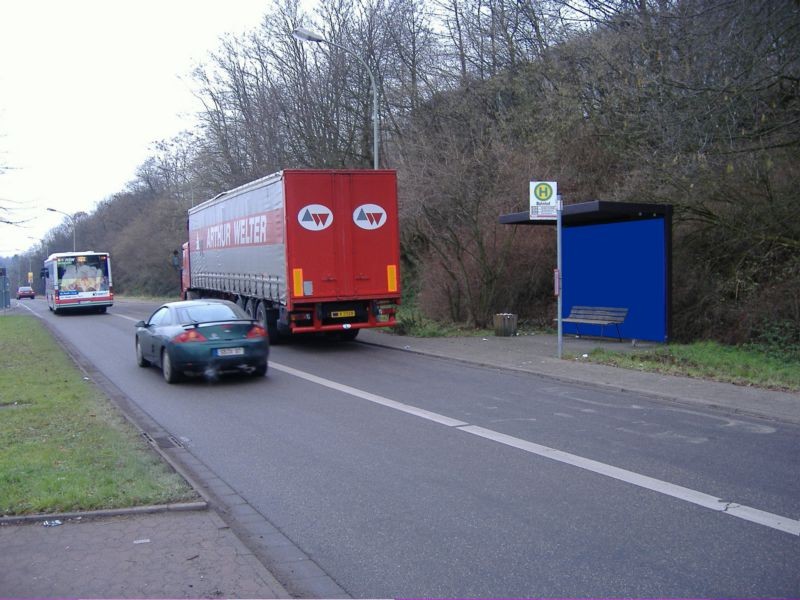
(309, 36)
(72, 219)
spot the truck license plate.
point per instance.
(230, 351)
(342, 314)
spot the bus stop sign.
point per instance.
(544, 200)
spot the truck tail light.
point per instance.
(386, 308)
(301, 316)
(192, 335)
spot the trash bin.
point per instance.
(505, 324)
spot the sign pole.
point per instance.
(559, 278)
(545, 205)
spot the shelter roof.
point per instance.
(595, 212)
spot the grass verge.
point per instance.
(63, 446)
(749, 366)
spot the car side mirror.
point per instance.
(140, 324)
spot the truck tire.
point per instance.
(348, 335)
(269, 318)
(261, 314)
(252, 308)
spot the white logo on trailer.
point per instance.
(315, 217)
(369, 216)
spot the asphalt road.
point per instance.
(405, 475)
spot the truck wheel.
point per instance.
(252, 308)
(348, 335)
(269, 317)
(261, 314)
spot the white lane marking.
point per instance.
(126, 317)
(339, 387)
(754, 515)
(747, 513)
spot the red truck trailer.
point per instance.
(301, 250)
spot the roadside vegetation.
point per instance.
(751, 365)
(63, 446)
(413, 322)
(772, 361)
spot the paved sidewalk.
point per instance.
(180, 554)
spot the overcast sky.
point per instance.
(86, 86)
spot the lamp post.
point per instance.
(72, 220)
(309, 36)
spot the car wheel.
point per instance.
(260, 370)
(140, 359)
(167, 370)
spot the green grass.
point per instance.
(63, 446)
(751, 365)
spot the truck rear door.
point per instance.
(342, 235)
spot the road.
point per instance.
(405, 475)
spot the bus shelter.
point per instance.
(615, 255)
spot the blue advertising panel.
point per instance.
(622, 265)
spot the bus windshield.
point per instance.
(83, 273)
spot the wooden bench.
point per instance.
(596, 315)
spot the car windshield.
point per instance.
(201, 313)
(25, 289)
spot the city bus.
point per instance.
(78, 280)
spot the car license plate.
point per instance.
(230, 351)
(342, 314)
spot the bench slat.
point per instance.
(597, 315)
(592, 314)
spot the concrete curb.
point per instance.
(106, 512)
